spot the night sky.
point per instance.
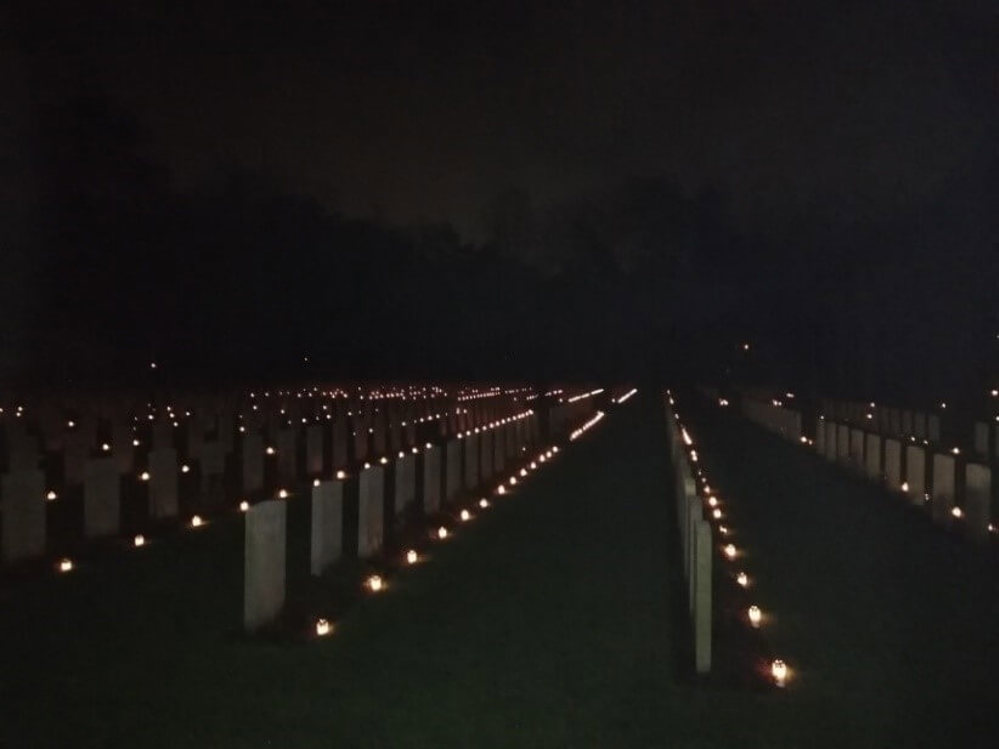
(824, 182)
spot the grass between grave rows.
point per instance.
(550, 620)
(890, 623)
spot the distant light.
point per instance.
(730, 551)
(412, 557)
(323, 628)
(905, 486)
(745, 347)
(483, 503)
(185, 468)
(755, 616)
(465, 516)
(315, 482)
(152, 365)
(374, 583)
(144, 476)
(139, 540)
(716, 514)
(244, 506)
(957, 512)
(65, 565)
(51, 496)
(196, 521)
(282, 494)
(956, 450)
(743, 579)
(270, 450)
(712, 501)
(779, 671)
(442, 532)
(341, 475)
(135, 443)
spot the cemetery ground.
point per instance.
(891, 621)
(554, 618)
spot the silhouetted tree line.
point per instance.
(242, 279)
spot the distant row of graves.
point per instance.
(79, 473)
(937, 463)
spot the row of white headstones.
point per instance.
(921, 469)
(24, 488)
(694, 499)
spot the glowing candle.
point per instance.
(196, 521)
(374, 583)
(483, 503)
(139, 540)
(412, 557)
(65, 565)
(323, 628)
(755, 616)
(51, 496)
(244, 506)
(743, 579)
(779, 671)
(466, 515)
(730, 551)
(442, 532)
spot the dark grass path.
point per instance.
(892, 624)
(546, 623)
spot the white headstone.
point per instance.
(314, 446)
(431, 479)
(978, 499)
(872, 458)
(981, 438)
(944, 479)
(264, 563)
(915, 473)
(452, 469)
(371, 508)
(405, 482)
(327, 525)
(163, 483)
(893, 464)
(472, 461)
(287, 454)
(704, 550)
(23, 514)
(101, 498)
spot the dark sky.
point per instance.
(426, 110)
(852, 147)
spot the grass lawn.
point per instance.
(892, 623)
(551, 620)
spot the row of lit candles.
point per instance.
(377, 583)
(779, 670)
